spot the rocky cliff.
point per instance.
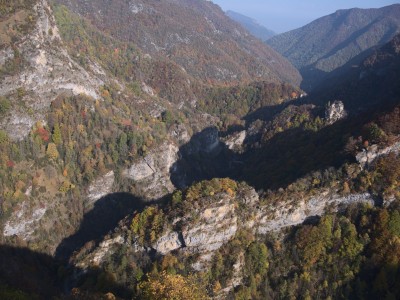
(46, 70)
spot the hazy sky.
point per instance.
(284, 15)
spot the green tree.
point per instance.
(123, 144)
(3, 137)
(52, 151)
(257, 258)
(167, 117)
(171, 287)
(5, 105)
(56, 136)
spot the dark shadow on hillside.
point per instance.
(294, 153)
(375, 89)
(267, 113)
(25, 274)
(96, 223)
(315, 80)
(271, 164)
(204, 157)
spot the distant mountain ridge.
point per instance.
(196, 35)
(331, 42)
(251, 25)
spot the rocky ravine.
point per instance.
(213, 221)
(218, 219)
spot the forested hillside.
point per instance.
(251, 25)
(130, 168)
(334, 44)
(196, 35)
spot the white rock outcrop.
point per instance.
(236, 140)
(100, 187)
(24, 221)
(152, 172)
(335, 112)
(284, 215)
(367, 156)
(105, 247)
(216, 226)
(167, 243)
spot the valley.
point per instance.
(157, 150)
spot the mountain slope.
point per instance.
(330, 42)
(323, 176)
(34, 62)
(94, 181)
(251, 25)
(84, 114)
(196, 35)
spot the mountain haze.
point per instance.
(337, 41)
(251, 25)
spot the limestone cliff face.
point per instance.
(235, 141)
(335, 112)
(367, 156)
(100, 187)
(212, 226)
(151, 174)
(47, 71)
(200, 229)
(212, 221)
(296, 212)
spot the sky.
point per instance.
(285, 15)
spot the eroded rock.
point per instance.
(152, 172)
(100, 187)
(236, 140)
(335, 112)
(367, 156)
(24, 221)
(216, 226)
(168, 243)
(287, 214)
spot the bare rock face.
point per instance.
(101, 252)
(48, 71)
(213, 226)
(367, 156)
(211, 221)
(152, 172)
(100, 187)
(335, 112)
(24, 221)
(216, 225)
(208, 224)
(167, 243)
(236, 140)
(287, 214)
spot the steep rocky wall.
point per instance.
(289, 214)
(152, 173)
(48, 71)
(368, 155)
